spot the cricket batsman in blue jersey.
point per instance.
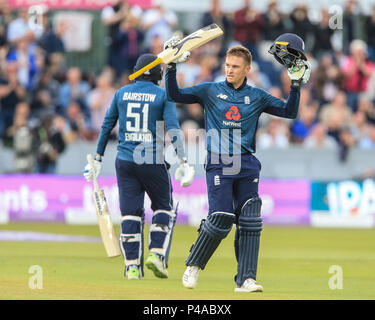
(142, 110)
(231, 110)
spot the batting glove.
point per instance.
(184, 173)
(300, 73)
(173, 42)
(87, 171)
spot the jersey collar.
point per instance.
(240, 87)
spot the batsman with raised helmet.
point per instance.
(142, 110)
(231, 110)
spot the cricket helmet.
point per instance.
(288, 49)
(155, 74)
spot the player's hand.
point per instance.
(171, 43)
(184, 173)
(87, 171)
(300, 73)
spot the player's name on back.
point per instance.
(138, 96)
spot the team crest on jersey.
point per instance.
(247, 100)
(233, 113)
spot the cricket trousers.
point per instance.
(133, 182)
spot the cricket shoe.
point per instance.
(190, 277)
(249, 285)
(155, 263)
(132, 272)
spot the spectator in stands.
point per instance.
(11, 93)
(128, 40)
(318, 138)
(206, 66)
(19, 28)
(368, 141)
(74, 89)
(22, 140)
(158, 21)
(112, 16)
(338, 110)
(322, 35)
(216, 15)
(366, 105)
(45, 82)
(99, 99)
(370, 33)
(275, 136)
(346, 142)
(248, 27)
(256, 78)
(51, 41)
(42, 103)
(49, 144)
(357, 71)
(328, 79)
(273, 22)
(57, 67)
(79, 127)
(188, 71)
(156, 45)
(301, 24)
(352, 21)
(26, 62)
(359, 126)
(21, 117)
(304, 123)
(6, 16)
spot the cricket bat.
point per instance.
(110, 241)
(192, 41)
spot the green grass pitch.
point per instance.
(294, 264)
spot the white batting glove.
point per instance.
(171, 43)
(184, 173)
(87, 171)
(301, 72)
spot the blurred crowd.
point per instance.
(46, 105)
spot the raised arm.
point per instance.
(279, 108)
(174, 93)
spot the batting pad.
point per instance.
(131, 239)
(247, 240)
(212, 230)
(161, 232)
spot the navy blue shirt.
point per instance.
(231, 115)
(142, 110)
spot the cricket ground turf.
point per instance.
(294, 264)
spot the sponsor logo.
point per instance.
(247, 100)
(222, 96)
(233, 114)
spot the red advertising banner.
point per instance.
(74, 4)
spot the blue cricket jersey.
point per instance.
(231, 115)
(142, 109)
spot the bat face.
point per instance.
(194, 40)
(100, 202)
(183, 41)
(105, 225)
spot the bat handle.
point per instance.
(90, 160)
(154, 63)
